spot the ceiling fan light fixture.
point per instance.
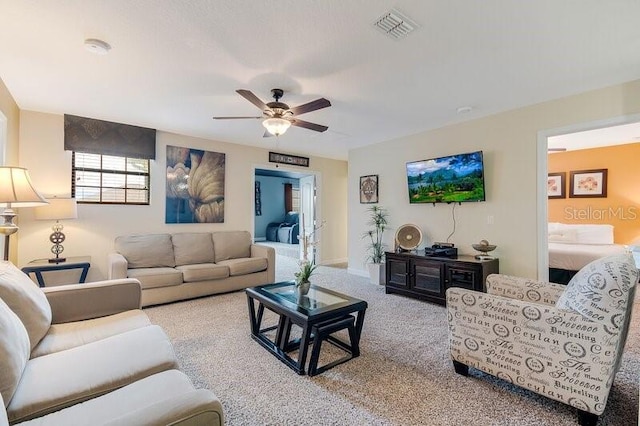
(276, 126)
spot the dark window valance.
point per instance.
(104, 137)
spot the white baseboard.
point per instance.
(260, 239)
(358, 272)
(334, 261)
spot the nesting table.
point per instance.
(318, 313)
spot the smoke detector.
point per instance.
(96, 46)
(395, 25)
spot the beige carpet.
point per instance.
(403, 377)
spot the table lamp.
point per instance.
(58, 209)
(16, 190)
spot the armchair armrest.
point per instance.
(524, 289)
(197, 407)
(77, 302)
(117, 266)
(557, 353)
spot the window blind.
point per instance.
(93, 136)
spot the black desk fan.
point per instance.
(408, 238)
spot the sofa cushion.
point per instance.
(161, 389)
(26, 299)
(203, 272)
(156, 277)
(600, 291)
(14, 351)
(231, 245)
(245, 266)
(90, 370)
(71, 334)
(191, 248)
(146, 251)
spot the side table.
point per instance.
(39, 266)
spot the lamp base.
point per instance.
(57, 260)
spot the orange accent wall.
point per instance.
(621, 207)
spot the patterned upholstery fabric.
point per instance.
(516, 333)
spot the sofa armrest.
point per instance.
(524, 289)
(117, 266)
(199, 407)
(258, 250)
(77, 302)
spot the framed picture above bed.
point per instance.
(588, 183)
(556, 185)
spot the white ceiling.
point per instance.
(615, 135)
(175, 63)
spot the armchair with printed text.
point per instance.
(563, 342)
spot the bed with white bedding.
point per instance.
(572, 246)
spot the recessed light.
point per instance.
(464, 109)
(96, 46)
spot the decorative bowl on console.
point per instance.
(484, 247)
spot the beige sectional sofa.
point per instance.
(86, 354)
(181, 266)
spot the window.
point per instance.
(108, 179)
(295, 199)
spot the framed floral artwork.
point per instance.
(369, 189)
(588, 184)
(556, 185)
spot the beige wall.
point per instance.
(93, 233)
(9, 127)
(510, 144)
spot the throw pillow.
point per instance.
(600, 291)
(14, 352)
(146, 251)
(26, 300)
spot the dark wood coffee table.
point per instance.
(319, 306)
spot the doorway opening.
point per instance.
(285, 211)
(586, 147)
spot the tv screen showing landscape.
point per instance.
(452, 179)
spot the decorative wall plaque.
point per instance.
(275, 157)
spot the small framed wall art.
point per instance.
(556, 185)
(588, 183)
(369, 189)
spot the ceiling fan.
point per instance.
(278, 116)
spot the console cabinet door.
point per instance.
(463, 276)
(427, 277)
(397, 273)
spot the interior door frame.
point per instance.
(317, 198)
(542, 169)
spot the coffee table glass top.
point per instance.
(317, 299)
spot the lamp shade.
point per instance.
(16, 189)
(276, 126)
(58, 209)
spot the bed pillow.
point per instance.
(14, 351)
(600, 290)
(26, 299)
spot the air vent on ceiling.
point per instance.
(395, 25)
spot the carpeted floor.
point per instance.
(403, 377)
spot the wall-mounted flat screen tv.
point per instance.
(452, 179)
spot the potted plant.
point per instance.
(375, 249)
(303, 275)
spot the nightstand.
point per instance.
(39, 266)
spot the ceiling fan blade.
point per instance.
(307, 125)
(311, 106)
(248, 95)
(234, 118)
(267, 134)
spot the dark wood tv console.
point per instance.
(427, 278)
